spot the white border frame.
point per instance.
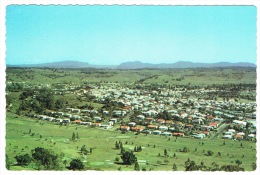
(4, 3)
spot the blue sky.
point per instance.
(109, 35)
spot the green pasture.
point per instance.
(198, 76)
(58, 139)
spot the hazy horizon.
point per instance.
(110, 35)
(125, 62)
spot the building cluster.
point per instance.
(161, 111)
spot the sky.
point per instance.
(110, 35)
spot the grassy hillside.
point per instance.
(197, 76)
(58, 139)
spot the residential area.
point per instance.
(162, 111)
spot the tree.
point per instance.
(65, 162)
(7, 162)
(210, 153)
(165, 152)
(190, 165)
(128, 158)
(253, 166)
(45, 158)
(238, 162)
(23, 159)
(73, 137)
(84, 150)
(59, 103)
(174, 167)
(76, 164)
(117, 145)
(137, 168)
(77, 135)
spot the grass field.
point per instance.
(18, 141)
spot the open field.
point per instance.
(104, 152)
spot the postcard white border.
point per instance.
(4, 3)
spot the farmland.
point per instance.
(196, 106)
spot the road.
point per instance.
(219, 131)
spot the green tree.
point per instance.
(137, 168)
(77, 136)
(210, 153)
(76, 164)
(191, 165)
(84, 150)
(7, 162)
(128, 158)
(45, 158)
(174, 167)
(238, 162)
(165, 152)
(253, 165)
(59, 104)
(73, 137)
(23, 159)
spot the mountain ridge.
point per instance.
(135, 65)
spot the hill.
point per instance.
(136, 65)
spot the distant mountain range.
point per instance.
(136, 65)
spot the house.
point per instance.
(160, 121)
(141, 117)
(96, 124)
(199, 136)
(114, 120)
(146, 131)
(67, 115)
(58, 120)
(131, 124)
(76, 117)
(178, 134)
(227, 137)
(189, 126)
(163, 128)
(137, 128)
(105, 126)
(97, 118)
(228, 133)
(77, 121)
(166, 134)
(152, 126)
(124, 128)
(171, 129)
(240, 122)
(214, 125)
(75, 110)
(206, 128)
(251, 136)
(238, 136)
(68, 109)
(110, 123)
(66, 121)
(105, 112)
(85, 111)
(157, 132)
(86, 123)
(168, 122)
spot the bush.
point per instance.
(76, 164)
(23, 159)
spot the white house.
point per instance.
(163, 128)
(157, 132)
